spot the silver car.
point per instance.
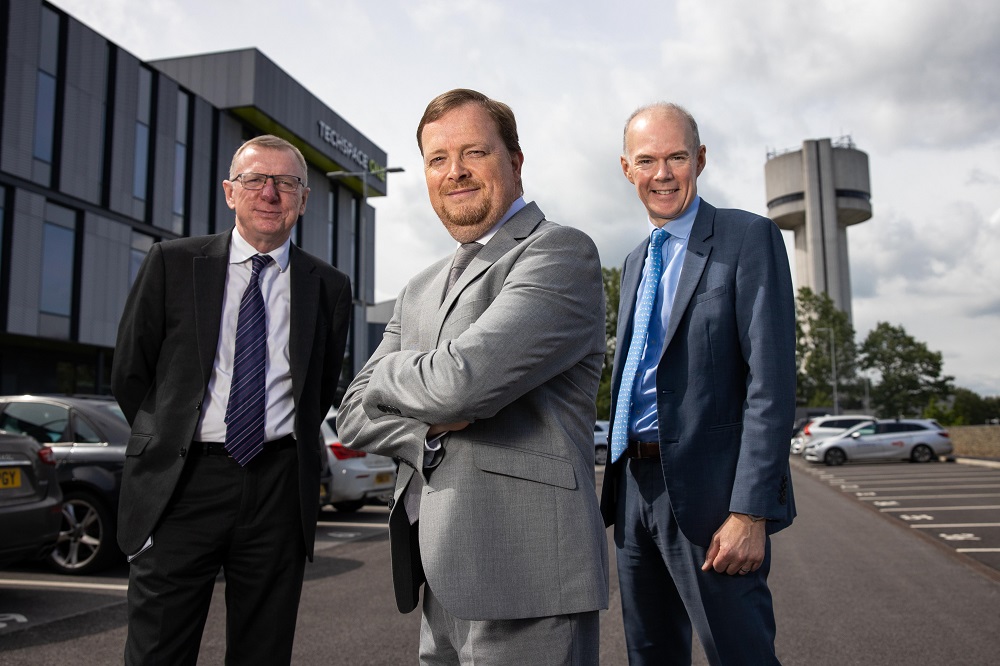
(354, 477)
(822, 427)
(601, 442)
(916, 440)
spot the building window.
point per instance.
(355, 267)
(141, 244)
(45, 96)
(142, 122)
(180, 161)
(331, 227)
(58, 272)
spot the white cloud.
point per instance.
(915, 83)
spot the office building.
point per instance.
(102, 154)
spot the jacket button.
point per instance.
(183, 452)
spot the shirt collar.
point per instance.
(514, 208)
(240, 250)
(680, 227)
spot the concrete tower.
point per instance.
(818, 192)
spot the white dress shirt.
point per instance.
(275, 286)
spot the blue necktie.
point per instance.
(644, 309)
(245, 411)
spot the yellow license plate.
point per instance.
(10, 478)
(383, 477)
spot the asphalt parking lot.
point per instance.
(954, 504)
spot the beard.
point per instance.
(469, 222)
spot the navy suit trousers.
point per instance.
(664, 591)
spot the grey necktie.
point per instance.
(463, 257)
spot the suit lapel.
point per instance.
(514, 230)
(209, 287)
(698, 250)
(305, 294)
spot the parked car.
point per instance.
(916, 440)
(601, 442)
(354, 477)
(822, 427)
(30, 499)
(87, 436)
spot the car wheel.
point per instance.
(601, 455)
(835, 457)
(921, 453)
(349, 506)
(86, 537)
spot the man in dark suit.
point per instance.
(703, 399)
(228, 356)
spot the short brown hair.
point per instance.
(271, 142)
(498, 111)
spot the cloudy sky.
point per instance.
(915, 84)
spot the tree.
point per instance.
(612, 284)
(820, 326)
(910, 373)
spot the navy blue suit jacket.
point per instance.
(726, 378)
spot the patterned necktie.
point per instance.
(644, 309)
(463, 257)
(245, 411)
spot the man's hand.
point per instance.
(737, 547)
(439, 428)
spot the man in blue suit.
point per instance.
(703, 398)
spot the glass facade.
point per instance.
(58, 275)
(142, 153)
(140, 248)
(43, 148)
(180, 161)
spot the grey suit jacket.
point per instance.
(166, 347)
(726, 378)
(509, 522)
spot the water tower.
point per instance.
(818, 192)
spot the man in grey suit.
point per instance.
(222, 468)
(703, 395)
(484, 392)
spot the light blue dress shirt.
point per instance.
(643, 424)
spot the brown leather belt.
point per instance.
(637, 449)
(219, 448)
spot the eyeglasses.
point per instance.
(256, 181)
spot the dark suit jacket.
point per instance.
(726, 378)
(166, 348)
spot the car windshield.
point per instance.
(116, 411)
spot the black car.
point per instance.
(87, 436)
(29, 499)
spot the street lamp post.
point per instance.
(833, 364)
(361, 303)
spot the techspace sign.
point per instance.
(355, 154)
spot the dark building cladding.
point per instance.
(102, 154)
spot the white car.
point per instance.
(916, 440)
(601, 442)
(822, 427)
(354, 477)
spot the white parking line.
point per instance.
(11, 582)
(935, 526)
(356, 526)
(940, 508)
(938, 487)
(977, 550)
(913, 497)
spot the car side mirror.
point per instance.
(855, 435)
